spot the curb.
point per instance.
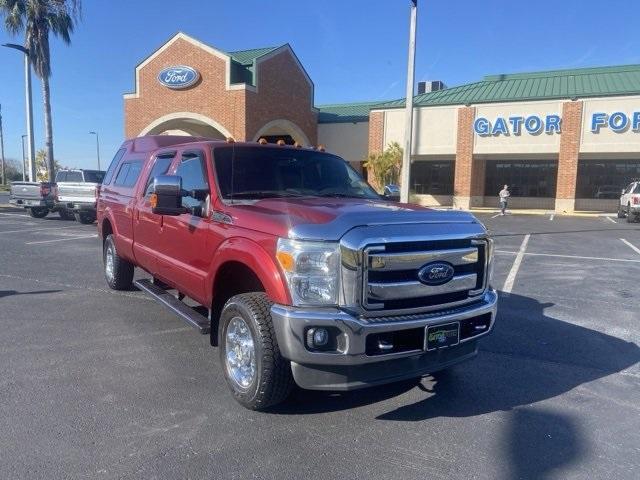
(546, 213)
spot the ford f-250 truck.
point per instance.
(296, 268)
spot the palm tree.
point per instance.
(38, 18)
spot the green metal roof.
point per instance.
(246, 57)
(242, 64)
(345, 112)
(554, 84)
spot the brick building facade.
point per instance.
(563, 140)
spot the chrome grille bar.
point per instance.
(415, 260)
(403, 290)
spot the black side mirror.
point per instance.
(166, 195)
(391, 193)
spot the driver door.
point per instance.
(186, 248)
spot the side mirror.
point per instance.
(392, 193)
(166, 195)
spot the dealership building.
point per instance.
(563, 140)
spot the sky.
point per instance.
(354, 50)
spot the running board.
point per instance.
(185, 312)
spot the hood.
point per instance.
(330, 218)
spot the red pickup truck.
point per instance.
(297, 269)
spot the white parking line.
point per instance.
(551, 217)
(77, 237)
(37, 229)
(496, 215)
(507, 252)
(631, 246)
(611, 220)
(15, 214)
(508, 283)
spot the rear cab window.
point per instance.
(113, 165)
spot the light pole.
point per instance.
(29, 107)
(97, 146)
(24, 166)
(408, 123)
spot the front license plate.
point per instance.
(443, 336)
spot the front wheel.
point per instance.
(65, 214)
(38, 212)
(254, 369)
(85, 218)
(620, 212)
(117, 271)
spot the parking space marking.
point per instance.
(508, 283)
(508, 252)
(37, 229)
(611, 220)
(631, 246)
(496, 215)
(551, 217)
(15, 214)
(75, 237)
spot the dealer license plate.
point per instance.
(442, 336)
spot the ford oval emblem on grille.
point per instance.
(436, 273)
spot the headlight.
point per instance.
(312, 271)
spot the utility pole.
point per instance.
(408, 123)
(97, 146)
(24, 161)
(2, 170)
(29, 107)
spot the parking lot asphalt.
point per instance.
(102, 384)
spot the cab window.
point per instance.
(74, 177)
(160, 167)
(193, 171)
(112, 166)
(128, 174)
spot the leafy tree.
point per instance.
(36, 19)
(42, 169)
(385, 166)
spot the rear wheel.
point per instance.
(255, 370)
(117, 271)
(85, 217)
(38, 212)
(65, 214)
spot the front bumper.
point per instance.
(353, 367)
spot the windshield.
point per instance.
(262, 172)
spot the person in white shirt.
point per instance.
(504, 195)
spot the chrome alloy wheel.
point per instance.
(240, 353)
(108, 263)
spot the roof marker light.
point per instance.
(230, 140)
(280, 142)
(262, 141)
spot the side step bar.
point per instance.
(185, 312)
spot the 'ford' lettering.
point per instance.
(178, 77)
(436, 273)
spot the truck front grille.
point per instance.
(391, 280)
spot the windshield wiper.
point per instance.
(261, 194)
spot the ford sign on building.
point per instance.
(178, 77)
(563, 140)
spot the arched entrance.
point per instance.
(284, 129)
(186, 123)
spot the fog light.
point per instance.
(317, 337)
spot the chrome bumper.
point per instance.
(338, 370)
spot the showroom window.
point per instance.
(527, 178)
(605, 179)
(432, 178)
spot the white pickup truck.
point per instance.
(629, 205)
(77, 191)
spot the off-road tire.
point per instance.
(273, 380)
(65, 214)
(122, 269)
(38, 212)
(620, 212)
(630, 216)
(85, 218)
